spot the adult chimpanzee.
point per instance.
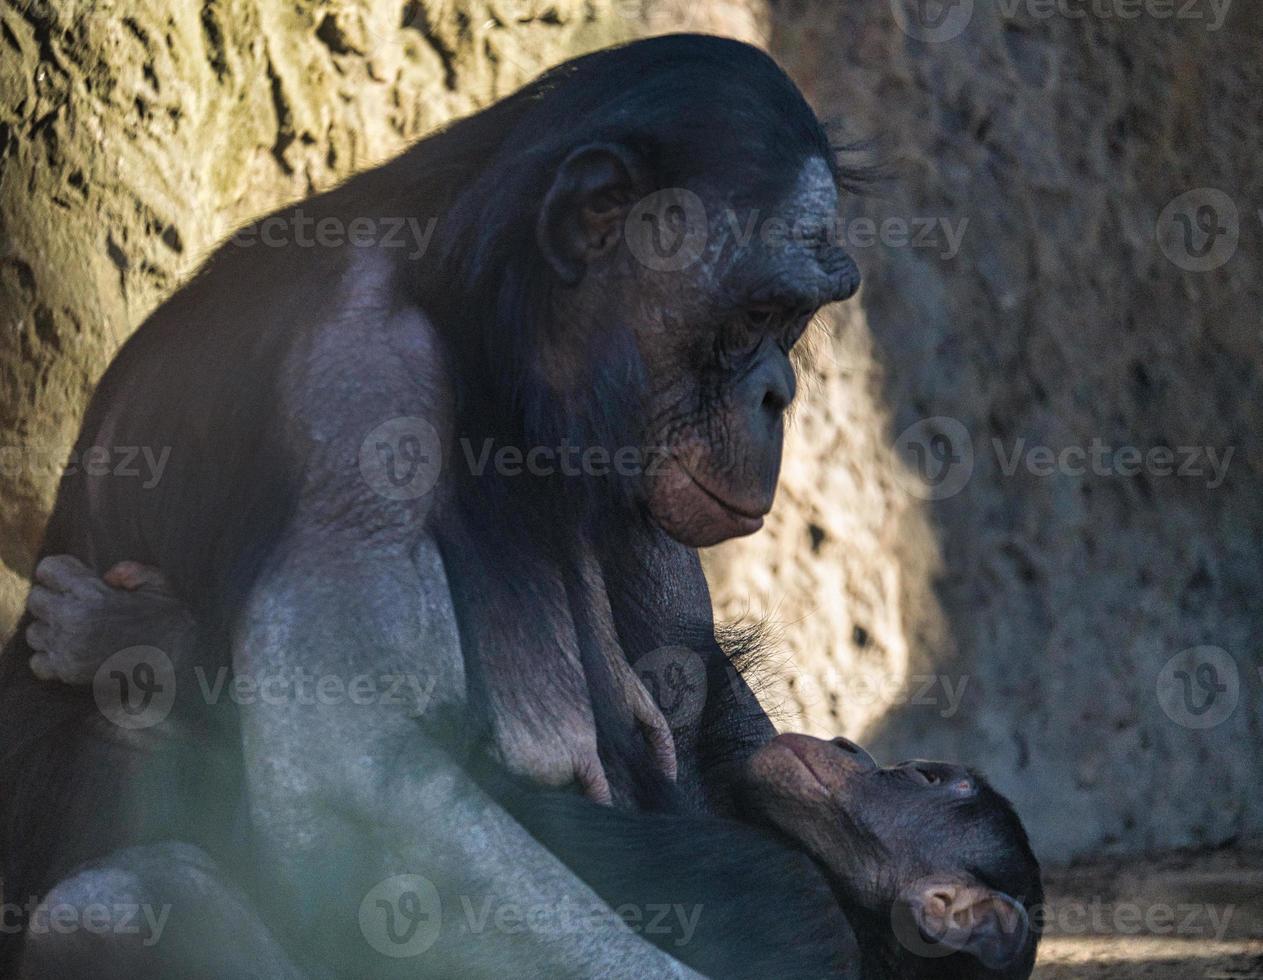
(916, 870)
(277, 377)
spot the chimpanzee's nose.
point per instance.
(773, 386)
(858, 751)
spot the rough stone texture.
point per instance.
(1056, 600)
(135, 135)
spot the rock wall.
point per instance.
(1025, 474)
(966, 559)
(133, 137)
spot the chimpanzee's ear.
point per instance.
(962, 914)
(584, 209)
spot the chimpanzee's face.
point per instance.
(870, 825)
(716, 341)
(716, 291)
(927, 839)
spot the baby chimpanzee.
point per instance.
(928, 865)
(919, 870)
(931, 864)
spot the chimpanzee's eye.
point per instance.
(763, 318)
(745, 335)
(926, 777)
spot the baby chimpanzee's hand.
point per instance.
(81, 619)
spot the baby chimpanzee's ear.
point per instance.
(961, 914)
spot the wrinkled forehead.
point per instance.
(789, 246)
(813, 198)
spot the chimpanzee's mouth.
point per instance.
(793, 745)
(741, 513)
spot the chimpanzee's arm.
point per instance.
(663, 611)
(78, 609)
(347, 795)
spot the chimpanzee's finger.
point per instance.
(65, 573)
(42, 667)
(50, 667)
(653, 723)
(592, 781)
(45, 604)
(661, 741)
(39, 636)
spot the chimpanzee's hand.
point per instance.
(645, 710)
(81, 620)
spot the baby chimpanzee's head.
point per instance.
(931, 861)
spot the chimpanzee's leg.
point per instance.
(159, 911)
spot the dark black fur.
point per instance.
(215, 520)
(764, 908)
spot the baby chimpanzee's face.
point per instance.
(930, 838)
